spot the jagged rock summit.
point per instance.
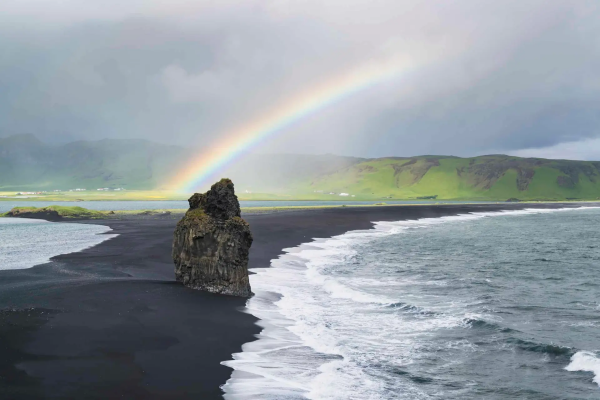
(212, 242)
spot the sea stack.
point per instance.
(212, 242)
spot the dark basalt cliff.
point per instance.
(212, 242)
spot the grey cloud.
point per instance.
(492, 76)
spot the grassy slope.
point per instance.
(479, 178)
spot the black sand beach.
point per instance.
(110, 322)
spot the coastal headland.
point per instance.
(111, 322)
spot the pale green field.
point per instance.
(149, 195)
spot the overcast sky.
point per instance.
(519, 77)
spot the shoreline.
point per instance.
(110, 320)
(254, 210)
(275, 362)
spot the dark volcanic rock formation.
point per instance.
(212, 242)
(45, 213)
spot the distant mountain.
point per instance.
(29, 164)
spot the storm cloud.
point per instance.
(519, 77)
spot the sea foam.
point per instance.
(320, 331)
(585, 361)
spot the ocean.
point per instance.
(497, 305)
(25, 243)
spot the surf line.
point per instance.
(252, 367)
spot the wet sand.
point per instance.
(110, 322)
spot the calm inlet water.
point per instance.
(25, 243)
(480, 306)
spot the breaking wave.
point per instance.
(332, 329)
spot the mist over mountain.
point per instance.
(27, 163)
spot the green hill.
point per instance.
(493, 177)
(26, 164)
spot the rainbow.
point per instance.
(241, 140)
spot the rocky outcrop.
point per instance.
(47, 214)
(54, 213)
(565, 182)
(212, 242)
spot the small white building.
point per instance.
(344, 194)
